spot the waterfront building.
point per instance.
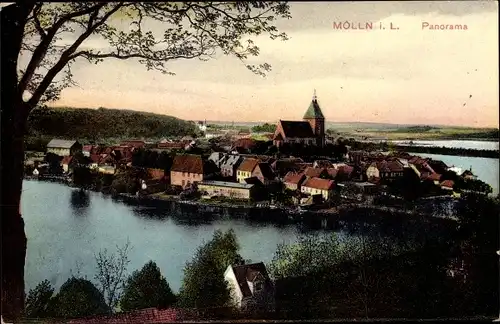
(309, 131)
(190, 169)
(293, 181)
(63, 147)
(250, 286)
(210, 188)
(318, 186)
(245, 169)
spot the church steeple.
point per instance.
(314, 116)
(314, 111)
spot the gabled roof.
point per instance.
(246, 143)
(313, 172)
(248, 165)
(332, 172)
(87, 148)
(314, 111)
(294, 178)
(297, 129)
(323, 163)
(59, 143)
(248, 273)
(188, 163)
(318, 183)
(231, 161)
(447, 183)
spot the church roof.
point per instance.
(297, 129)
(314, 111)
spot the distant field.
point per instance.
(424, 132)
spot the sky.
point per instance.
(405, 75)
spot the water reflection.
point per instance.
(79, 201)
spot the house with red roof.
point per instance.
(293, 180)
(246, 168)
(318, 186)
(137, 144)
(312, 172)
(385, 170)
(66, 163)
(189, 169)
(447, 185)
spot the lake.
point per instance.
(64, 232)
(465, 144)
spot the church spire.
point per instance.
(314, 111)
(315, 98)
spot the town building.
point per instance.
(136, 144)
(318, 186)
(236, 190)
(310, 131)
(250, 287)
(245, 169)
(189, 169)
(230, 166)
(63, 147)
(385, 170)
(293, 181)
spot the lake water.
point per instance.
(479, 145)
(64, 232)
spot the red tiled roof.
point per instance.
(447, 183)
(293, 178)
(323, 163)
(318, 183)
(313, 172)
(95, 158)
(332, 172)
(388, 166)
(133, 143)
(265, 169)
(87, 148)
(434, 177)
(188, 163)
(248, 165)
(346, 169)
(245, 143)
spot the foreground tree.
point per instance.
(111, 273)
(147, 288)
(50, 37)
(38, 300)
(78, 297)
(204, 284)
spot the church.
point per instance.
(310, 131)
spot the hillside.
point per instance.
(100, 124)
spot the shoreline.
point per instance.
(347, 213)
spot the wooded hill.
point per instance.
(102, 123)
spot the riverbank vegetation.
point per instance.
(417, 274)
(100, 124)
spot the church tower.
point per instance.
(315, 118)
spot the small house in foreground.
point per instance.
(227, 189)
(250, 286)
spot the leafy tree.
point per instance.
(33, 30)
(267, 128)
(38, 300)
(147, 288)
(111, 272)
(78, 297)
(204, 284)
(82, 177)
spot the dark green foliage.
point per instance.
(95, 124)
(38, 300)
(147, 288)
(204, 284)
(82, 177)
(78, 297)
(151, 159)
(264, 128)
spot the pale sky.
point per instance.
(410, 75)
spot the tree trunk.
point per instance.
(14, 115)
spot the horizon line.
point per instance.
(274, 121)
